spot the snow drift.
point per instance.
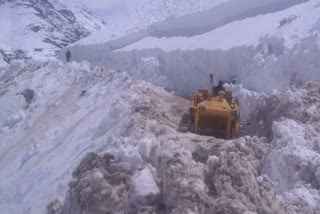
(52, 114)
(164, 171)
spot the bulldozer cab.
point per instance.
(213, 116)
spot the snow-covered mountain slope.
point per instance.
(42, 27)
(169, 18)
(292, 24)
(145, 14)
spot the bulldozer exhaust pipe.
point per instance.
(210, 89)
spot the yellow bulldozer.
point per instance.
(214, 115)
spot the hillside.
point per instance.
(41, 28)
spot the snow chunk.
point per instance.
(144, 184)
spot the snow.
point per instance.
(235, 34)
(270, 57)
(249, 101)
(75, 110)
(2, 63)
(145, 184)
(304, 194)
(145, 14)
(290, 157)
(59, 127)
(121, 143)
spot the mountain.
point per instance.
(39, 28)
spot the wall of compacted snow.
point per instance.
(291, 121)
(268, 66)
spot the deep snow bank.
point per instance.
(53, 113)
(300, 104)
(291, 122)
(263, 68)
(187, 174)
(165, 171)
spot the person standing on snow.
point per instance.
(68, 55)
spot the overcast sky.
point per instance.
(107, 8)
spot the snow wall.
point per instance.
(263, 68)
(195, 24)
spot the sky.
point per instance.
(107, 8)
